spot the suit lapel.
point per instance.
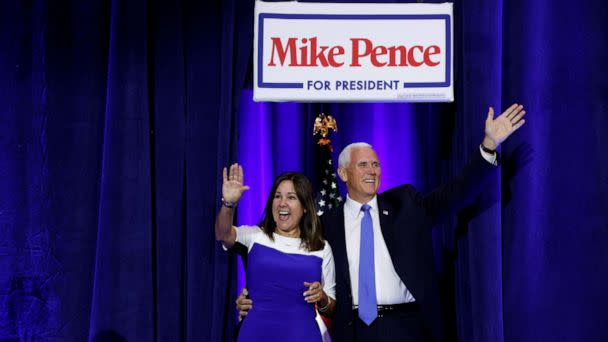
(388, 226)
(385, 212)
(338, 244)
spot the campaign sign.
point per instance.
(330, 52)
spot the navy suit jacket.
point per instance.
(406, 219)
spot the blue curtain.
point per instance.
(115, 119)
(117, 116)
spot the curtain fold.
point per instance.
(112, 136)
(555, 199)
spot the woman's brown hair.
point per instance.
(310, 225)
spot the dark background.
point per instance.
(116, 118)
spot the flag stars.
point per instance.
(327, 196)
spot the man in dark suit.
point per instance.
(386, 283)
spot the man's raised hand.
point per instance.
(499, 129)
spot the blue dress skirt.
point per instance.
(275, 281)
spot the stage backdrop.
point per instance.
(117, 116)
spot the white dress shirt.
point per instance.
(490, 158)
(389, 287)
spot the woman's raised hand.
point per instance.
(232, 188)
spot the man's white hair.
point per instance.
(344, 157)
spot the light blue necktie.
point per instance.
(368, 309)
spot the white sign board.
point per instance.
(329, 52)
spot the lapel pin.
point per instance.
(385, 212)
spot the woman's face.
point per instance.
(287, 210)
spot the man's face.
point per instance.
(362, 175)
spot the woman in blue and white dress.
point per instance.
(290, 267)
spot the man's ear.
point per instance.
(342, 174)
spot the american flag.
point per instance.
(328, 196)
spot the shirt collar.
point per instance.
(352, 208)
